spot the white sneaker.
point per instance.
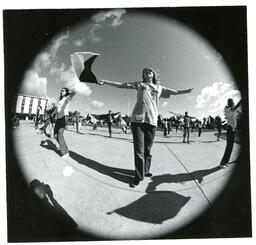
(65, 156)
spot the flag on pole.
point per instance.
(82, 65)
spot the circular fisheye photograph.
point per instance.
(127, 124)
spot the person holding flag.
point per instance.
(144, 117)
(145, 111)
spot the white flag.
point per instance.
(82, 65)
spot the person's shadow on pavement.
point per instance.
(46, 213)
(179, 178)
(120, 174)
(123, 175)
(158, 206)
(49, 145)
(155, 207)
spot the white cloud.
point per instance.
(33, 84)
(92, 37)
(46, 58)
(214, 97)
(221, 102)
(79, 42)
(58, 42)
(69, 79)
(111, 18)
(97, 104)
(209, 92)
(57, 69)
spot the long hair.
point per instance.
(155, 79)
(230, 102)
(67, 93)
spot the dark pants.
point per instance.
(219, 134)
(110, 129)
(186, 133)
(169, 129)
(143, 138)
(78, 127)
(165, 131)
(36, 122)
(229, 145)
(199, 132)
(59, 135)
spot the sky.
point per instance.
(126, 43)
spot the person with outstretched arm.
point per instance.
(144, 117)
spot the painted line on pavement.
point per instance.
(199, 187)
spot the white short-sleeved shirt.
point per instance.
(230, 115)
(146, 107)
(62, 106)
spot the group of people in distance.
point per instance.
(143, 120)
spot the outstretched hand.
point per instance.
(189, 90)
(101, 82)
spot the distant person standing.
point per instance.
(165, 125)
(145, 117)
(230, 115)
(218, 126)
(109, 122)
(168, 126)
(62, 112)
(186, 127)
(192, 124)
(199, 128)
(78, 121)
(176, 124)
(39, 111)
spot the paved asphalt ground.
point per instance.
(90, 189)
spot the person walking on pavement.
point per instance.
(168, 126)
(186, 127)
(230, 114)
(109, 122)
(199, 124)
(165, 126)
(144, 118)
(62, 112)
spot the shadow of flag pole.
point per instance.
(82, 65)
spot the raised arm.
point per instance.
(72, 91)
(117, 84)
(238, 104)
